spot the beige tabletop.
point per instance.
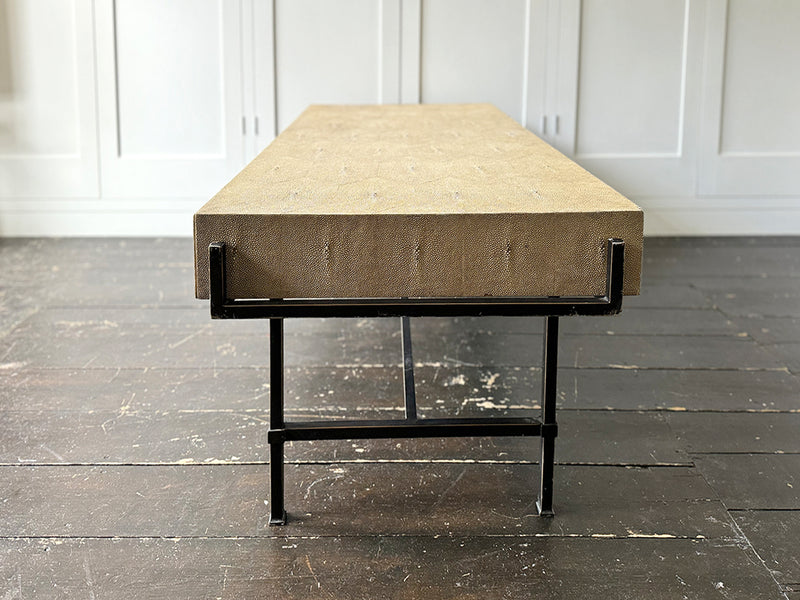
(414, 201)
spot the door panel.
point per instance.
(474, 51)
(751, 139)
(326, 53)
(170, 90)
(48, 142)
(630, 115)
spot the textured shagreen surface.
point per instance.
(416, 201)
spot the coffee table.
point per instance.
(412, 211)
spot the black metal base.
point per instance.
(408, 428)
(412, 426)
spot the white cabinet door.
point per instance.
(170, 96)
(259, 82)
(484, 51)
(627, 83)
(304, 52)
(751, 135)
(48, 134)
(326, 53)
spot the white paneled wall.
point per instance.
(48, 129)
(170, 97)
(636, 86)
(328, 51)
(466, 55)
(751, 134)
(121, 117)
(641, 59)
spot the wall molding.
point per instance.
(712, 222)
(410, 51)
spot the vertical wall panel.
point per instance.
(38, 88)
(169, 88)
(326, 53)
(751, 122)
(47, 110)
(410, 48)
(631, 115)
(262, 34)
(170, 96)
(761, 89)
(631, 72)
(474, 51)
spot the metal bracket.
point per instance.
(222, 307)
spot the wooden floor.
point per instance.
(133, 457)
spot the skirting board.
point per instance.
(146, 217)
(149, 217)
(768, 221)
(108, 224)
(713, 215)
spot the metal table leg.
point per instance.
(549, 428)
(408, 371)
(277, 514)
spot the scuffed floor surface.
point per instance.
(133, 455)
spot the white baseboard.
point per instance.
(98, 218)
(117, 224)
(721, 222)
(720, 216)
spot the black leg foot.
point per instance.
(544, 513)
(277, 520)
(544, 505)
(277, 514)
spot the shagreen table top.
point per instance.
(414, 201)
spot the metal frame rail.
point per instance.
(412, 426)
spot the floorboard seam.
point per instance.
(398, 365)
(327, 410)
(592, 536)
(355, 461)
(749, 453)
(751, 509)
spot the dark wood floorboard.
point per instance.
(680, 389)
(366, 567)
(757, 296)
(632, 321)
(735, 432)
(127, 436)
(770, 330)
(758, 258)
(668, 294)
(133, 454)
(331, 390)
(357, 499)
(748, 481)
(186, 338)
(775, 535)
(789, 354)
